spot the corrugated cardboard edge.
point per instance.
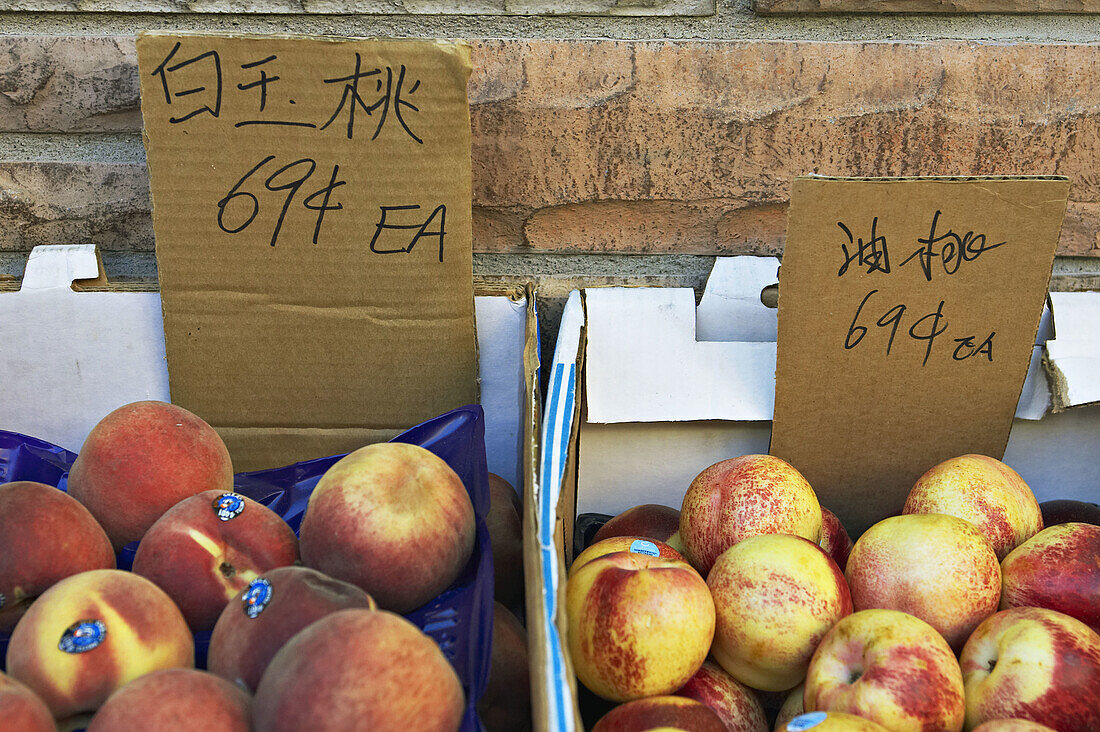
(536, 625)
(553, 681)
(1049, 304)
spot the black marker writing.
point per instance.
(871, 253)
(928, 328)
(953, 249)
(419, 227)
(290, 178)
(392, 96)
(966, 348)
(262, 83)
(211, 90)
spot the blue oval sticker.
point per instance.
(228, 506)
(806, 721)
(256, 597)
(641, 546)
(82, 636)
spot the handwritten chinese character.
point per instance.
(872, 253)
(262, 83)
(954, 249)
(391, 96)
(192, 65)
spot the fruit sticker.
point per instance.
(228, 506)
(82, 636)
(806, 721)
(641, 546)
(256, 597)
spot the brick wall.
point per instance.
(613, 142)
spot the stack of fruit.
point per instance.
(305, 631)
(962, 612)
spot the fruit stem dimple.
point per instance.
(227, 569)
(854, 675)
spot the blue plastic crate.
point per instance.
(460, 619)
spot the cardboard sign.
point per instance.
(908, 310)
(311, 205)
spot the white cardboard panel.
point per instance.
(68, 358)
(643, 363)
(501, 327)
(1035, 396)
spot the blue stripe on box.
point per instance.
(559, 415)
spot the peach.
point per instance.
(1059, 569)
(637, 625)
(834, 538)
(142, 459)
(92, 633)
(649, 521)
(21, 710)
(890, 668)
(505, 706)
(256, 623)
(983, 491)
(175, 700)
(359, 669)
(393, 519)
(742, 497)
(937, 567)
(775, 597)
(677, 543)
(635, 544)
(505, 525)
(209, 547)
(1011, 725)
(734, 703)
(660, 713)
(1035, 664)
(45, 536)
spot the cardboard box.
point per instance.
(647, 389)
(75, 347)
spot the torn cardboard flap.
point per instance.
(908, 313)
(731, 308)
(312, 212)
(1073, 356)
